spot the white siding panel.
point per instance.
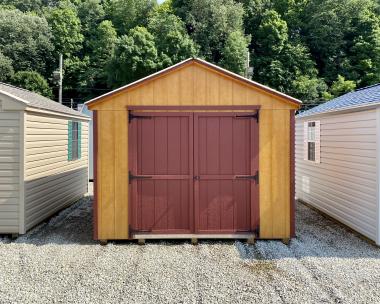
(344, 184)
(51, 181)
(9, 171)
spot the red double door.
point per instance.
(193, 172)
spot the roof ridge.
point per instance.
(13, 86)
(367, 87)
(28, 91)
(36, 100)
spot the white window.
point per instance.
(312, 141)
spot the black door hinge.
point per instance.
(253, 177)
(132, 177)
(257, 231)
(132, 116)
(255, 116)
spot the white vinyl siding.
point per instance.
(51, 181)
(9, 171)
(344, 184)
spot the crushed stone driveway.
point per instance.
(58, 262)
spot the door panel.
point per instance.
(184, 169)
(224, 147)
(161, 163)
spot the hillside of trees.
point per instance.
(313, 50)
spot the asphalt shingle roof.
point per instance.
(367, 95)
(35, 100)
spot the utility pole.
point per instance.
(247, 66)
(71, 103)
(60, 77)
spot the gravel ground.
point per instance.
(58, 262)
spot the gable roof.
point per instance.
(201, 62)
(35, 100)
(361, 97)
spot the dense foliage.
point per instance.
(311, 49)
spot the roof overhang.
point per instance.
(58, 114)
(27, 107)
(203, 63)
(355, 108)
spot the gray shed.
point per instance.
(338, 159)
(43, 158)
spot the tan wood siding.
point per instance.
(193, 85)
(51, 181)
(344, 184)
(9, 171)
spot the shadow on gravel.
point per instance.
(317, 236)
(72, 225)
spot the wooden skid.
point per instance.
(138, 236)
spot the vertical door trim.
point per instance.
(255, 167)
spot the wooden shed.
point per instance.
(193, 151)
(43, 158)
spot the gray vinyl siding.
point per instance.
(51, 181)
(9, 171)
(344, 184)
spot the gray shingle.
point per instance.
(37, 101)
(367, 95)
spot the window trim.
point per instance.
(74, 140)
(312, 141)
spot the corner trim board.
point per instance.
(95, 182)
(378, 175)
(21, 212)
(292, 174)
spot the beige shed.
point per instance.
(43, 158)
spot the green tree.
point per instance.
(364, 51)
(66, 28)
(210, 23)
(127, 14)
(271, 34)
(26, 40)
(309, 89)
(75, 70)
(102, 46)
(32, 81)
(340, 87)
(343, 37)
(171, 39)
(6, 68)
(24, 5)
(90, 13)
(135, 56)
(234, 53)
